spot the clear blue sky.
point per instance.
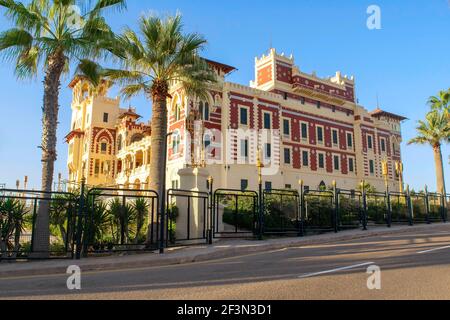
(405, 62)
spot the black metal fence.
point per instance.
(116, 220)
(108, 220)
(282, 213)
(235, 214)
(19, 210)
(318, 211)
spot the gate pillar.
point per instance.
(192, 179)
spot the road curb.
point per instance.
(89, 265)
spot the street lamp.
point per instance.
(399, 171)
(385, 171)
(260, 166)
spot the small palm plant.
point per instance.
(52, 34)
(122, 217)
(140, 207)
(435, 130)
(12, 222)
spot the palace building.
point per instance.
(318, 133)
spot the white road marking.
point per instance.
(336, 270)
(435, 249)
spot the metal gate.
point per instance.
(318, 211)
(377, 211)
(19, 210)
(282, 213)
(235, 214)
(400, 208)
(117, 220)
(350, 209)
(184, 224)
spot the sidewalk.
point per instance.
(199, 253)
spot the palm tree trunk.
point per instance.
(158, 150)
(439, 169)
(52, 83)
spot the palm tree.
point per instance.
(55, 34)
(434, 131)
(440, 102)
(161, 56)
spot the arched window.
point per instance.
(200, 110)
(119, 142)
(206, 112)
(103, 146)
(203, 109)
(176, 140)
(177, 112)
(136, 138)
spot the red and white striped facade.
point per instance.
(296, 107)
(285, 93)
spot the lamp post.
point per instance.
(211, 210)
(163, 197)
(399, 171)
(385, 171)
(260, 166)
(301, 224)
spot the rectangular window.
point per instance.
(244, 148)
(268, 185)
(105, 117)
(351, 165)
(287, 156)
(318, 104)
(304, 131)
(244, 184)
(335, 137)
(337, 166)
(369, 142)
(349, 140)
(267, 121)
(286, 127)
(383, 145)
(372, 167)
(320, 135)
(321, 161)
(288, 186)
(305, 158)
(243, 116)
(103, 147)
(268, 150)
(302, 100)
(97, 167)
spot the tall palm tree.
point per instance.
(53, 34)
(159, 56)
(434, 131)
(441, 102)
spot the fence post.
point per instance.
(444, 207)
(427, 205)
(389, 209)
(335, 207)
(364, 208)
(301, 231)
(80, 219)
(211, 210)
(409, 206)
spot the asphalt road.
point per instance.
(413, 266)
